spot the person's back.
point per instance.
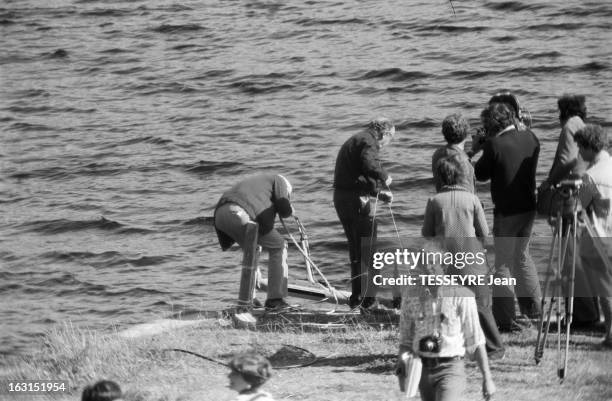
(357, 165)
(510, 160)
(454, 212)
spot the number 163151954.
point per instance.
(16, 387)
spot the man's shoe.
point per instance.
(607, 343)
(277, 304)
(368, 302)
(354, 301)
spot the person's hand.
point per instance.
(545, 185)
(488, 388)
(388, 181)
(478, 142)
(385, 196)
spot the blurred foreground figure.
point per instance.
(248, 373)
(104, 390)
(440, 324)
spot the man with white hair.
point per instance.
(357, 177)
(258, 199)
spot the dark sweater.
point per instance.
(261, 196)
(357, 165)
(509, 160)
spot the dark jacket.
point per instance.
(510, 160)
(357, 165)
(261, 196)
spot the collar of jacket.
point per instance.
(507, 129)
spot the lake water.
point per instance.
(123, 121)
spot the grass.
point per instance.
(359, 364)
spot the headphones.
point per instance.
(510, 99)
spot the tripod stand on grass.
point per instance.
(568, 219)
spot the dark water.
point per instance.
(123, 121)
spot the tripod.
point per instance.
(566, 225)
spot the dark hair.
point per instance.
(496, 116)
(448, 170)
(572, 105)
(455, 128)
(104, 390)
(254, 368)
(509, 99)
(592, 137)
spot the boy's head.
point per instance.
(253, 369)
(104, 390)
(455, 128)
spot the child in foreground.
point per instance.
(249, 372)
(103, 390)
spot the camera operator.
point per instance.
(595, 195)
(509, 160)
(439, 324)
(572, 113)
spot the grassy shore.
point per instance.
(357, 364)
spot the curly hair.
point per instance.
(592, 137)
(254, 368)
(455, 128)
(572, 105)
(103, 390)
(496, 116)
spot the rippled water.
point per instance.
(123, 122)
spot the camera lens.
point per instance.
(429, 345)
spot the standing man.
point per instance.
(572, 113)
(259, 199)
(509, 160)
(357, 177)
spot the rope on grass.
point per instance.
(199, 356)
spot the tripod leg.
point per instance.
(544, 321)
(569, 310)
(564, 240)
